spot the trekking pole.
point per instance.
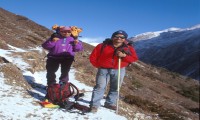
(118, 84)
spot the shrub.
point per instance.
(165, 114)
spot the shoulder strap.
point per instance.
(105, 42)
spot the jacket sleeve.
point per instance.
(48, 44)
(78, 47)
(132, 57)
(95, 55)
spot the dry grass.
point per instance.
(153, 89)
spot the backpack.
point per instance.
(59, 93)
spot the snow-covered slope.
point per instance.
(16, 105)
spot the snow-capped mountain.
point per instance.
(175, 49)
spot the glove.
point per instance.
(76, 41)
(54, 35)
(55, 39)
(121, 54)
(125, 50)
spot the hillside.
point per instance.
(153, 93)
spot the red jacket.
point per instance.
(106, 58)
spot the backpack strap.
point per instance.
(105, 42)
(77, 91)
(62, 86)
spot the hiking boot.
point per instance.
(109, 106)
(93, 109)
(78, 96)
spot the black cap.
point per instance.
(120, 32)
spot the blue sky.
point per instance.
(100, 18)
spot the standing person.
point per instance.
(62, 48)
(105, 57)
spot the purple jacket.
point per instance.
(64, 47)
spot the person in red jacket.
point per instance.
(105, 57)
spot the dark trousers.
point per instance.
(52, 67)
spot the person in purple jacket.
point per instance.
(62, 50)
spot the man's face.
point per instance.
(119, 38)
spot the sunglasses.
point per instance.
(65, 31)
(122, 37)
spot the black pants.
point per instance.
(52, 67)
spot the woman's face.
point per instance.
(65, 33)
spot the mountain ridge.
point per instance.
(175, 50)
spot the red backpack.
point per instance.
(59, 94)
